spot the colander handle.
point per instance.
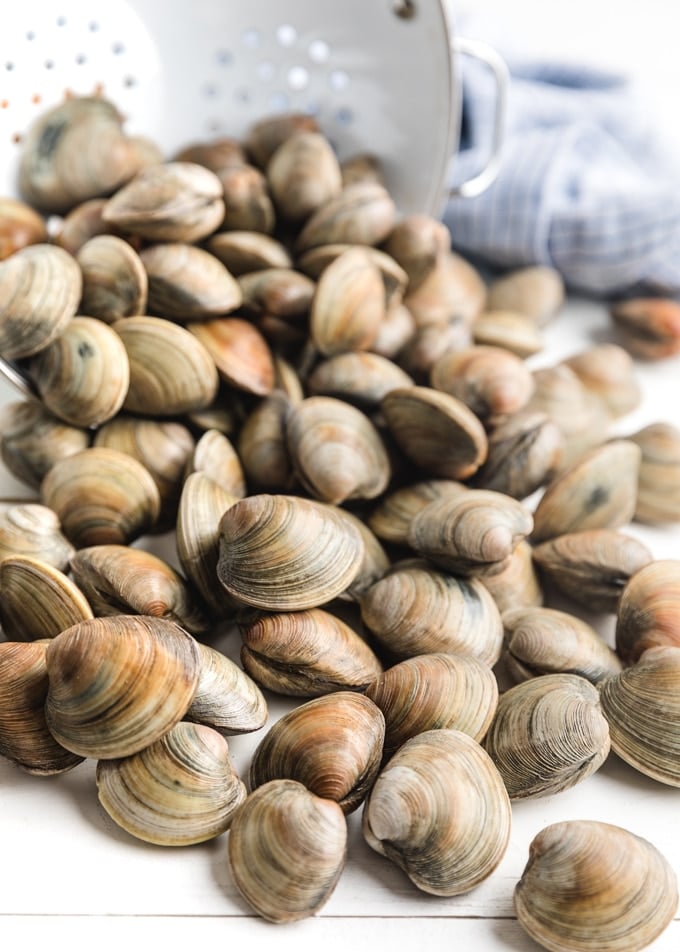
(495, 62)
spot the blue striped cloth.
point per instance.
(584, 184)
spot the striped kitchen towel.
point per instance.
(584, 183)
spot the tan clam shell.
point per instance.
(240, 352)
(360, 378)
(337, 452)
(535, 290)
(332, 744)
(83, 376)
(597, 492)
(287, 849)
(392, 517)
(439, 810)
(170, 371)
(265, 136)
(348, 305)
(32, 440)
(34, 530)
(215, 456)
(24, 736)
(436, 431)
(177, 201)
(307, 654)
(374, 564)
(81, 224)
(592, 567)
(303, 174)
(247, 202)
(214, 154)
(649, 609)
(642, 706)
(435, 691)
(315, 261)
(115, 284)
(548, 734)
(525, 451)
(285, 553)
(280, 292)
(416, 243)
(607, 370)
(428, 343)
(40, 289)
(262, 445)
(227, 699)
(417, 610)
(452, 292)
(395, 331)
(471, 534)
(364, 167)
(20, 226)
(362, 214)
(650, 326)
(547, 641)
(244, 251)
(589, 885)
(489, 380)
(508, 329)
(187, 283)
(658, 498)
(179, 790)
(518, 584)
(118, 684)
(37, 600)
(119, 579)
(101, 496)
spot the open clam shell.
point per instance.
(37, 600)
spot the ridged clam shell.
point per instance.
(374, 564)
(303, 174)
(307, 654)
(214, 154)
(348, 305)
(285, 553)
(658, 498)
(525, 451)
(517, 586)
(24, 736)
(363, 167)
(427, 343)
(607, 370)
(215, 456)
(187, 283)
(649, 609)
(287, 849)
(240, 352)
(32, 439)
(416, 242)
(332, 744)
(81, 224)
(227, 699)
(101, 497)
(392, 517)
(452, 292)
(508, 329)
(439, 810)
(247, 202)
(650, 326)
(315, 261)
(179, 790)
(642, 706)
(244, 251)
(115, 284)
(360, 378)
(37, 600)
(589, 886)
(281, 292)
(536, 290)
(417, 610)
(435, 691)
(262, 445)
(489, 380)
(265, 136)
(20, 226)
(118, 684)
(548, 734)
(34, 530)
(362, 214)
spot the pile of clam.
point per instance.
(334, 413)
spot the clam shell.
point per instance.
(427, 343)
(362, 214)
(650, 326)
(508, 329)
(392, 517)
(38, 601)
(649, 609)
(525, 451)
(264, 137)
(262, 445)
(281, 292)
(517, 586)
(307, 654)
(303, 174)
(536, 290)
(374, 564)
(115, 284)
(592, 567)
(439, 810)
(589, 886)
(227, 699)
(348, 305)
(489, 380)
(215, 456)
(608, 372)
(83, 223)
(434, 691)
(364, 167)
(658, 498)
(244, 251)
(287, 849)
(34, 530)
(332, 744)
(32, 440)
(215, 154)
(20, 226)
(118, 684)
(315, 261)
(179, 790)
(417, 610)
(548, 734)
(187, 283)
(247, 203)
(453, 291)
(24, 736)
(416, 243)
(357, 377)
(240, 352)
(101, 496)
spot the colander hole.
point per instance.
(242, 95)
(319, 51)
(338, 80)
(404, 9)
(129, 82)
(48, 64)
(279, 102)
(118, 48)
(286, 34)
(210, 91)
(9, 67)
(224, 57)
(344, 116)
(80, 59)
(252, 39)
(61, 21)
(30, 35)
(266, 71)
(93, 26)
(298, 77)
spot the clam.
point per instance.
(649, 609)
(31, 440)
(547, 641)
(83, 223)
(374, 564)
(280, 292)
(471, 534)
(348, 305)
(525, 451)
(658, 497)
(436, 431)
(118, 684)
(37, 600)
(650, 327)
(391, 519)
(171, 372)
(439, 810)
(362, 214)
(115, 282)
(428, 343)
(215, 154)
(118, 579)
(24, 736)
(607, 371)
(548, 734)
(39, 292)
(179, 790)
(592, 567)
(285, 553)
(357, 377)
(337, 452)
(244, 251)
(363, 167)
(307, 654)
(287, 379)
(187, 283)
(589, 886)
(262, 445)
(264, 137)
(517, 586)
(101, 496)
(331, 744)
(434, 691)
(598, 491)
(453, 291)
(417, 610)
(489, 380)
(396, 330)
(240, 352)
(215, 456)
(315, 261)
(34, 530)
(416, 243)
(20, 226)
(247, 203)
(508, 329)
(83, 376)
(226, 699)
(303, 174)
(177, 201)
(642, 706)
(287, 849)
(535, 290)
